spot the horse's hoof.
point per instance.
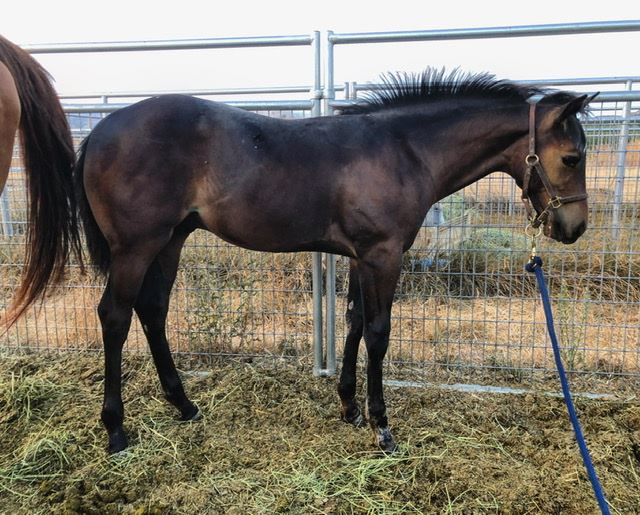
(385, 440)
(117, 441)
(192, 415)
(355, 418)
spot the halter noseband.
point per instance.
(533, 164)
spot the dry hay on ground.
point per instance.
(271, 442)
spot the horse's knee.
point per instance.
(377, 340)
(378, 328)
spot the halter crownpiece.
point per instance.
(534, 165)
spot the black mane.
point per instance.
(404, 89)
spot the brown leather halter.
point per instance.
(534, 165)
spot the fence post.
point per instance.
(316, 258)
(330, 259)
(623, 140)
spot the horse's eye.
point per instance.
(571, 161)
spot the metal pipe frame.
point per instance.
(557, 29)
(316, 257)
(325, 362)
(275, 90)
(322, 102)
(180, 44)
(314, 105)
(256, 105)
(333, 39)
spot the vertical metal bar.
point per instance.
(329, 90)
(7, 224)
(316, 277)
(316, 261)
(330, 259)
(316, 94)
(623, 140)
(105, 101)
(331, 314)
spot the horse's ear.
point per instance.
(559, 114)
(571, 108)
(590, 98)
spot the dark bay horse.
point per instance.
(28, 102)
(358, 184)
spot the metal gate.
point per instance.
(463, 302)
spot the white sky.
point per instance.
(31, 21)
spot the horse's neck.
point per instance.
(467, 146)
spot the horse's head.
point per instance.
(554, 186)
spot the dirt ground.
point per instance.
(271, 441)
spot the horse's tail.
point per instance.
(96, 242)
(47, 151)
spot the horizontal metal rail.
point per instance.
(605, 96)
(557, 29)
(179, 44)
(256, 105)
(582, 81)
(275, 90)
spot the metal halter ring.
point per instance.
(529, 228)
(532, 159)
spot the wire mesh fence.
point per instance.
(463, 302)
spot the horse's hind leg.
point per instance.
(126, 275)
(152, 306)
(347, 386)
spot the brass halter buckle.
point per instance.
(555, 202)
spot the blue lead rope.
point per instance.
(535, 266)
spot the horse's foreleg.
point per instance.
(347, 386)
(152, 306)
(379, 270)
